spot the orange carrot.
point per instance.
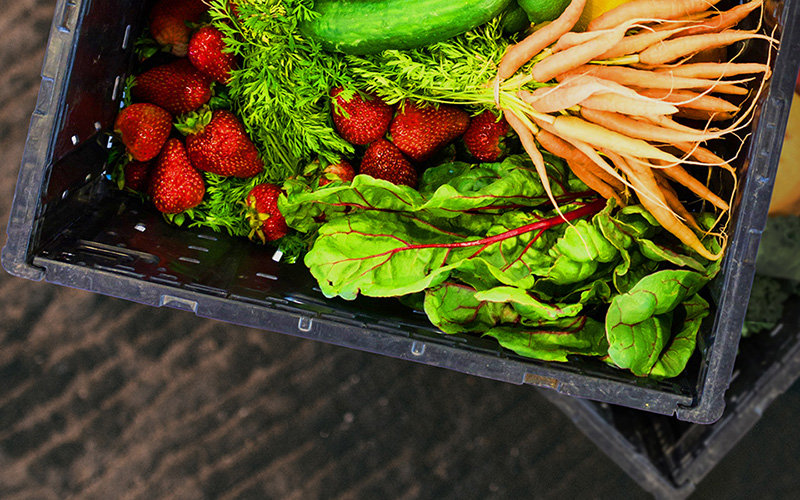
(714, 70)
(644, 181)
(519, 54)
(678, 48)
(703, 155)
(573, 38)
(703, 115)
(640, 130)
(525, 135)
(674, 203)
(626, 105)
(658, 9)
(601, 168)
(599, 136)
(681, 176)
(667, 122)
(689, 99)
(724, 20)
(650, 79)
(634, 44)
(556, 64)
(580, 165)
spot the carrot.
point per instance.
(634, 44)
(724, 20)
(599, 136)
(573, 38)
(626, 105)
(640, 130)
(671, 197)
(598, 165)
(715, 70)
(689, 99)
(649, 79)
(525, 135)
(572, 91)
(638, 9)
(681, 176)
(702, 115)
(672, 50)
(703, 155)
(522, 52)
(567, 151)
(644, 181)
(556, 64)
(580, 165)
(667, 122)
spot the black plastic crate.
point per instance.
(70, 226)
(669, 458)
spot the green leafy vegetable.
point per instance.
(639, 322)
(580, 336)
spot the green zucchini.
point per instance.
(371, 26)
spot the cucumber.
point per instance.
(540, 11)
(371, 26)
(515, 19)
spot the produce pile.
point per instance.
(563, 191)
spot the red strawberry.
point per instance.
(144, 129)
(137, 174)
(175, 186)
(206, 51)
(359, 120)
(178, 87)
(339, 171)
(219, 144)
(421, 132)
(382, 160)
(168, 23)
(266, 221)
(484, 137)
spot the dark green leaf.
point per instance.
(674, 358)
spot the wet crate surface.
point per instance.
(69, 226)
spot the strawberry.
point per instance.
(382, 160)
(339, 171)
(359, 118)
(168, 23)
(178, 87)
(137, 174)
(206, 51)
(144, 129)
(266, 221)
(484, 137)
(175, 185)
(219, 144)
(420, 132)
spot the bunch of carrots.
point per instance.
(615, 91)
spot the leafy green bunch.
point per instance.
(483, 253)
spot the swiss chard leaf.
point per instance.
(532, 310)
(454, 308)
(638, 323)
(674, 358)
(397, 253)
(446, 191)
(554, 341)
